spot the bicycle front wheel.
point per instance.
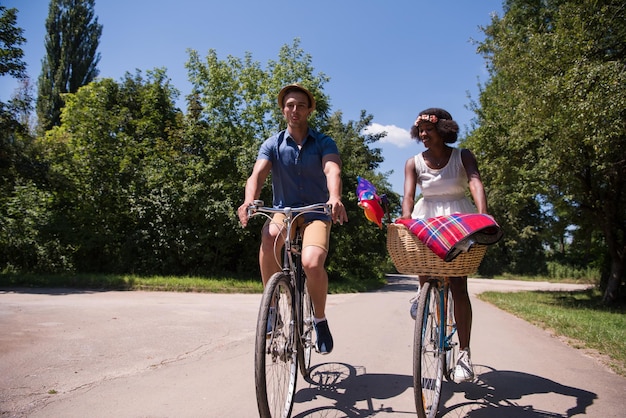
(427, 352)
(275, 359)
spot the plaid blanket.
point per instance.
(448, 236)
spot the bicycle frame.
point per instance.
(291, 248)
(283, 344)
(445, 336)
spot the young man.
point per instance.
(306, 169)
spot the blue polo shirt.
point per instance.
(298, 177)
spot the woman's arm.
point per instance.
(410, 182)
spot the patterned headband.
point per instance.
(426, 118)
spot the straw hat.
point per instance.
(294, 87)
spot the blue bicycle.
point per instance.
(435, 344)
(435, 338)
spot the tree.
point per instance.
(552, 118)
(111, 163)
(18, 167)
(11, 39)
(71, 59)
(11, 63)
(235, 108)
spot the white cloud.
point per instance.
(399, 137)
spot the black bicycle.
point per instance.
(284, 332)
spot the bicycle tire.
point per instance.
(305, 341)
(451, 344)
(427, 353)
(275, 358)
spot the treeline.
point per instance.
(129, 183)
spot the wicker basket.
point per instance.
(412, 256)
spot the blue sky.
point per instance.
(391, 58)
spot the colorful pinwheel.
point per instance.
(370, 201)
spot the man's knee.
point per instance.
(313, 258)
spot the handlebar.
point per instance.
(258, 207)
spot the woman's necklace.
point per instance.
(438, 163)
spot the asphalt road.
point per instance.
(67, 353)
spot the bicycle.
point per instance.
(435, 338)
(435, 344)
(284, 331)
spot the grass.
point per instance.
(551, 279)
(580, 318)
(215, 284)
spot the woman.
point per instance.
(443, 174)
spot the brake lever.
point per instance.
(254, 206)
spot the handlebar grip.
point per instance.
(253, 207)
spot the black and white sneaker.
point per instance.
(324, 337)
(464, 372)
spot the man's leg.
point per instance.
(271, 245)
(313, 259)
(316, 237)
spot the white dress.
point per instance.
(443, 189)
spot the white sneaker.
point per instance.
(464, 372)
(414, 300)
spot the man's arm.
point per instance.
(254, 184)
(332, 170)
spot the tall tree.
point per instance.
(11, 39)
(13, 127)
(71, 59)
(552, 118)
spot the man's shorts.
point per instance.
(315, 233)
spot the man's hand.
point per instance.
(338, 211)
(243, 214)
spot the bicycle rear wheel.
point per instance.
(451, 344)
(427, 352)
(306, 332)
(275, 359)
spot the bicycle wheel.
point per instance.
(427, 353)
(306, 332)
(275, 359)
(451, 343)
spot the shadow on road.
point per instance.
(500, 393)
(495, 393)
(348, 385)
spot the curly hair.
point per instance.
(447, 128)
